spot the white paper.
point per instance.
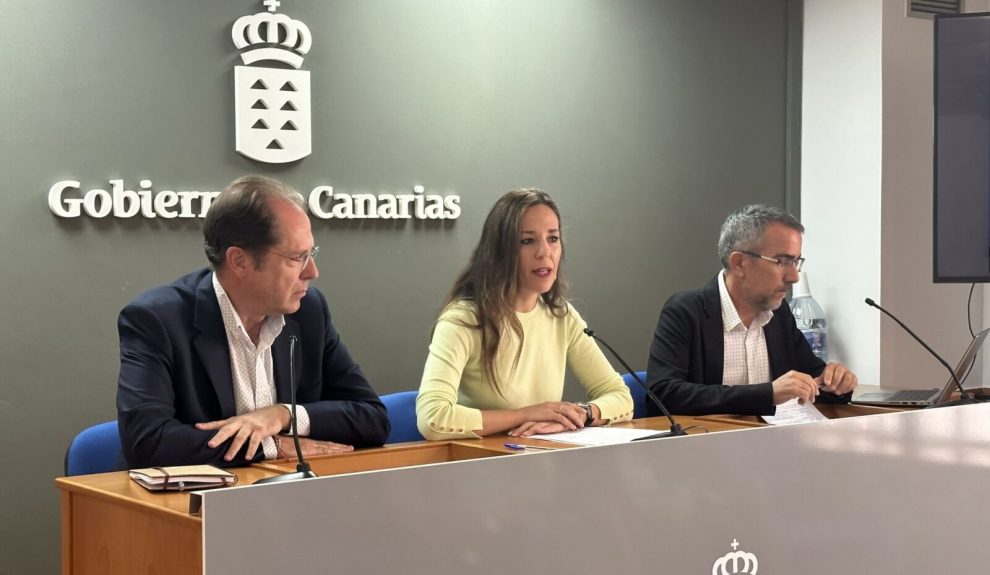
(598, 435)
(792, 412)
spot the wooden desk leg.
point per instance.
(102, 537)
(66, 533)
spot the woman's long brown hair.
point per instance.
(490, 280)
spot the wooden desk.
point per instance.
(391, 457)
(831, 411)
(426, 452)
(679, 505)
(429, 513)
(112, 525)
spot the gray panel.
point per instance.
(962, 149)
(878, 494)
(648, 120)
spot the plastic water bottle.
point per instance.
(810, 317)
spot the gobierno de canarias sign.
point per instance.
(272, 125)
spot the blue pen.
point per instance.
(521, 447)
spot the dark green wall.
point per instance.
(647, 120)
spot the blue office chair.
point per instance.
(95, 450)
(638, 393)
(402, 415)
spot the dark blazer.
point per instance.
(175, 372)
(686, 357)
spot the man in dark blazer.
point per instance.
(206, 369)
(731, 347)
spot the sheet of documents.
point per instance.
(792, 412)
(598, 435)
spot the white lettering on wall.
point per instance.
(66, 200)
(326, 204)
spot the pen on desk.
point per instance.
(521, 447)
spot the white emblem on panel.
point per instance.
(736, 562)
(272, 105)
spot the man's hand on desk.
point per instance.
(311, 447)
(837, 379)
(250, 428)
(794, 384)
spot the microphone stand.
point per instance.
(302, 468)
(966, 397)
(675, 428)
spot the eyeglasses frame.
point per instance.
(784, 263)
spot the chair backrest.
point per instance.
(95, 450)
(402, 415)
(638, 393)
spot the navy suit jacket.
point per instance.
(687, 354)
(175, 372)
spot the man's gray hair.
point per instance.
(743, 229)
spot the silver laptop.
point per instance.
(923, 397)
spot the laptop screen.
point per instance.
(962, 368)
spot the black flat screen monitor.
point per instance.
(962, 148)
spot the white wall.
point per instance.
(867, 190)
(936, 312)
(841, 172)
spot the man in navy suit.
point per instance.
(731, 347)
(207, 361)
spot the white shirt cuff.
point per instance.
(302, 420)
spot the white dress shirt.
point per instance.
(251, 365)
(746, 360)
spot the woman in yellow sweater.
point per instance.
(507, 334)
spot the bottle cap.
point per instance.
(801, 288)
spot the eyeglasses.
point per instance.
(784, 262)
(303, 259)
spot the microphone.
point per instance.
(302, 468)
(675, 428)
(966, 397)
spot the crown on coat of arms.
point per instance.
(271, 36)
(736, 562)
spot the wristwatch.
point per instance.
(589, 415)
